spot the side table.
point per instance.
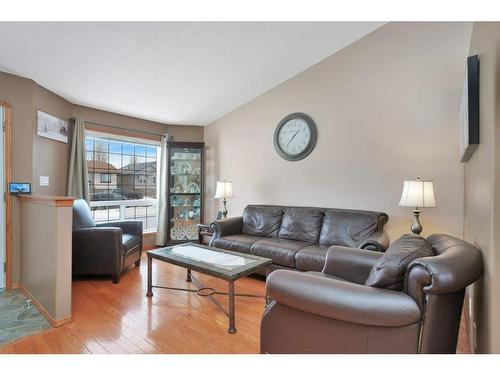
(204, 230)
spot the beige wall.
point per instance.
(46, 256)
(386, 109)
(482, 192)
(35, 156)
(18, 92)
(181, 133)
(49, 156)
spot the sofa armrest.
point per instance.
(377, 241)
(97, 249)
(227, 227)
(349, 263)
(449, 272)
(128, 227)
(342, 300)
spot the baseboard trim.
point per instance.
(53, 322)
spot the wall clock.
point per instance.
(295, 136)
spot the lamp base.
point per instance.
(224, 210)
(416, 227)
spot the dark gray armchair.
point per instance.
(104, 249)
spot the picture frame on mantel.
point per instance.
(469, 110)
(51, 127)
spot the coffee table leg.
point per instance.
(232, 326)
(188, 276)
(150, 277)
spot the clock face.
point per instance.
(295, 137)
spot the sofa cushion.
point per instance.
(262, 221)
(236, 242)
(130, 243)
(311, 258)
(301, 224)
(390, 269)
(349, 227)
(281, 251)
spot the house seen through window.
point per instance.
(122, 178)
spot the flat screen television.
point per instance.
(469, 110)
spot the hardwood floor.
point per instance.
(118, 318)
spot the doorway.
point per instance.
(5, 199)
(3, 253)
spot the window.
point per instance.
(122, 178)
(105, 178)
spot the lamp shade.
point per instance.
(224, 189)
(418, 193)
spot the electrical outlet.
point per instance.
(44, 180)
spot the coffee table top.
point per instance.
(224, 264)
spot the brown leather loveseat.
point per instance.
(406, 300)
(299, 237)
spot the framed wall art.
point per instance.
(49, 126)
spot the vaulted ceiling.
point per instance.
(180, 73)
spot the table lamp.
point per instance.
(417, 194)
(224, 190)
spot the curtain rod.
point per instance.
(125, 129)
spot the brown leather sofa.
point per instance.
(333, 311)
(299, 237)
(104, 249)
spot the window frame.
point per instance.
(108, 179)
(114, 137)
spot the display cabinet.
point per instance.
(185, 190)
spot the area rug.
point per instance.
(18, 317)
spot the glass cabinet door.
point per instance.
(185, 191)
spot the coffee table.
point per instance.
(219, 263)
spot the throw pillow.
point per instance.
(389, 271)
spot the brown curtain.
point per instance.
(162, 222)
(78, 181)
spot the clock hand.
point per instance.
(291, 139)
